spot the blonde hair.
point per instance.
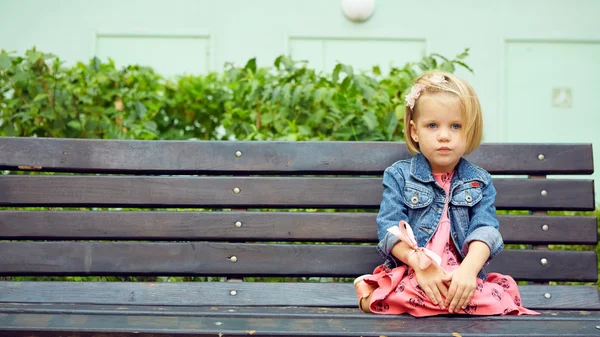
(467, 98)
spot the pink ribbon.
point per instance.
(405, 233)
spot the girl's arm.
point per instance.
(483, 224)
(391, 211)
(430, 279)
(464, 279)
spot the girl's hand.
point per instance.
(431, 281)
(462, 286)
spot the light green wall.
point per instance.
(536, 62)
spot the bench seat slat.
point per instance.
(26, 325)
(212, 258)
(583, 313)
(259, 226)
(334, 295)
(191, 157)
(257, 192)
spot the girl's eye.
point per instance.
(456, 126)
(431, 125)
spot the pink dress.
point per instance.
(398, 292)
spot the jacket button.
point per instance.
(414, 200)
(468, 198)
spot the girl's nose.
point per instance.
(443, 135)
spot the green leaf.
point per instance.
(392, 123)
(278, 61)
(335, 76)
(287, 63)
(40, 97)
(74, 125)
(346, 83)
(33, 56)
(370, 120)
(297, 95)
(376, 70)
(251, 65)
(21, 76)
(304, 130)
(464, 54)
(5, 61)
(348, 70)
(150, 125)
(447, 66)
(399, 111)
(47, 113)
(440, 56)
(96, 64)
(427, 63)
(347, 119)
(140, 109)
(320, 94)
(465, 66)
(9, 130)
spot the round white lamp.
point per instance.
(358, 10)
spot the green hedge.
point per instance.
(287, 101)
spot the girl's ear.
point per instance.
(413, 132)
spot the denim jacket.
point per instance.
(412, 194)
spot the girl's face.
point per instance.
(438, 130)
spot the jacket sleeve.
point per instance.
(483, 224)
(391, 211)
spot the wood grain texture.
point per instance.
(334, 311)
(30, 324)
(259, 226)
(193, 294)
(128, 191)
(212, 258)
(193, 157)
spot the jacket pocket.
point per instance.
(468, 194)
(416, 197)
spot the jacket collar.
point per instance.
(464, 171)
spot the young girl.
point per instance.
(437, 224)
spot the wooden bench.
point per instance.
(249, 188)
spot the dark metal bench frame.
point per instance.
(236, 181)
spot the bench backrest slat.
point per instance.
(184, 157)
(258, 294)
(260, 226)
(254, 192)
(216, 259)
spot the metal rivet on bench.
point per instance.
(233, 259)
(547, 295)
(233, 293)
(218, 323)
(238, 224)
(238, 153)
(544, 261)
(236, 190)
(544, 193)
(541, 157)
(545, 228)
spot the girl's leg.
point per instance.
(364, 292)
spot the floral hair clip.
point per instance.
(418, 88)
